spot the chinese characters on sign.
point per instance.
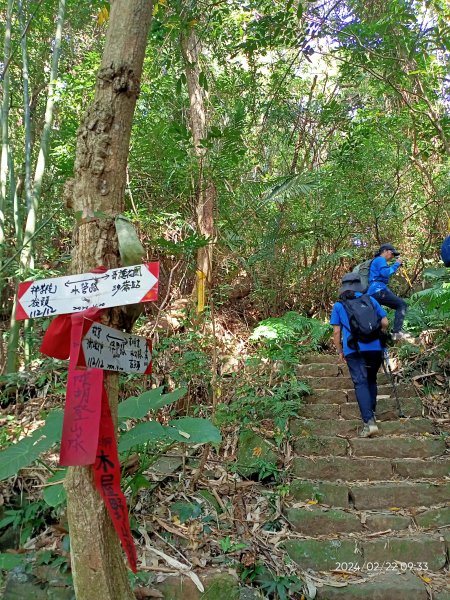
(112, 350)
(107, 481)
(75, 293)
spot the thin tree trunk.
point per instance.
(206, 193)
(98, 565)
(4, 129)
(14, 326)
(26, 107)
(30, 226)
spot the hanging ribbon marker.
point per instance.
(200, 291)
(107, 481)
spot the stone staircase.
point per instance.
(382, 511)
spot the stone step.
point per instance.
(321, 370)
(321, 446)
(399, 585)
(422, 469)
(332, 359)
(381, 446)
(398, 494)
(435, 517)
(316, 520)
(346, 468)
(351, 427)
(323, 492)
(369, 496)
(341, 382)
(341, 396)
(426, 551)
(386, 409)
(404, 390)
(398, 447)
(326, 397)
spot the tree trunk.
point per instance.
(97, 196)
(4, 130)
(206, 193)
(30, 226)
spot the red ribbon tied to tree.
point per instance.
(88, 436)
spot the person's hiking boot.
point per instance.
(402, 336)
(370, 428)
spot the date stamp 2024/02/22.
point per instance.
(390, 566)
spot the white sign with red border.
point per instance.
(75, 293)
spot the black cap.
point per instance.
(390, 247)
(351, 283)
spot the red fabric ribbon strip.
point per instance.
(88, 436)
(107, 481)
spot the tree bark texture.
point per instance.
(97, 194)
(206, 193)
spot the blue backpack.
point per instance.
(445, 251)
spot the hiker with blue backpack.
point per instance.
(359, 334)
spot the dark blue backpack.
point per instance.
(445, 251)
(365, 323)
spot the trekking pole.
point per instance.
(406, 276)
(388, 372)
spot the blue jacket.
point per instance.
(379, 274)
(339, 317)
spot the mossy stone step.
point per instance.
(321, 446)
(331, 359)
(344, 468)
(435, 517)
(326, 397)
(301, 427)
(403, 391)
(398, 447)
(320, 370)
(320, 411)
(386, 409)
(316, 521)
(340, 382)
(383, 586)
(399, 494)
(217, 587)
(422, 469)
(327, 555)
(333, 494)
(328, 383)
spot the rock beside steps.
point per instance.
(377, 508)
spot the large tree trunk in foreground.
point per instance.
(97, 196)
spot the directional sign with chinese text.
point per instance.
(75, 293)
(112, 350)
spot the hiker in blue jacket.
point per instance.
(379, 275)
(363, 362)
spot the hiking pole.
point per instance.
(388, 372)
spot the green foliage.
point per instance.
(277, 587)
(10, 561)
(252, 402)
(429, 309)
(188, 430)
(186, 510)
(283, 338)
(227, 545)
(28, 449)
(26, 519)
